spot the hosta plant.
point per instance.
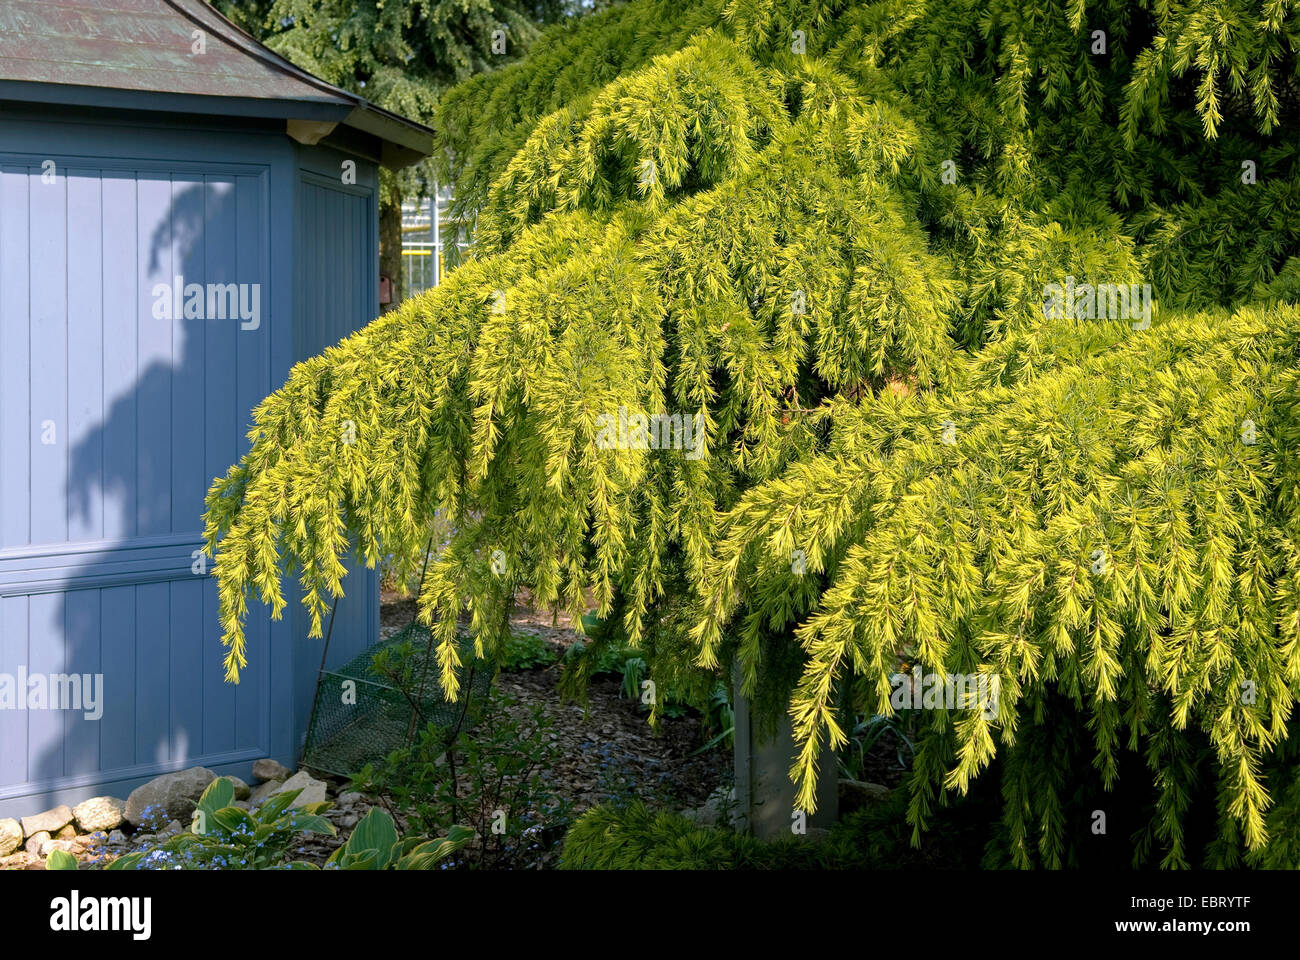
(376, 845)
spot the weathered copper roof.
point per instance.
(77, 51)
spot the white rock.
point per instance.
(173, 796)
(67, 846)
(99, 813)
(51, 821)
(268, 769)
(11, 836)
(313, 790)
(264, 790)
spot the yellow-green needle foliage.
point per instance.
(828, 235)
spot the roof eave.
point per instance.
(115, 98)
(404, 142)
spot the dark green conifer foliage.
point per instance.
(837, 259)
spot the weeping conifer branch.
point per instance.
(833, 260)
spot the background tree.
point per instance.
(828, 230)
(401, 55)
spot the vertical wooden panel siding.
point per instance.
(335, 294)
(113, 422)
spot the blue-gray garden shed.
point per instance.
(183, 215)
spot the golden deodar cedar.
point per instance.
(827, 231)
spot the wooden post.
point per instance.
(764, 793)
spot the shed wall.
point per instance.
(113, 422)
(336, 282)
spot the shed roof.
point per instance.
(139, 53)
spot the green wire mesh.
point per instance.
(361, 715)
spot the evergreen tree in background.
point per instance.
(829, 234)
(401, 55)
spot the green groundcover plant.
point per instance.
(636, 837)
(830, 339)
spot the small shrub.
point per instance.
(527, 651)
(489, 777)
(635, 837)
